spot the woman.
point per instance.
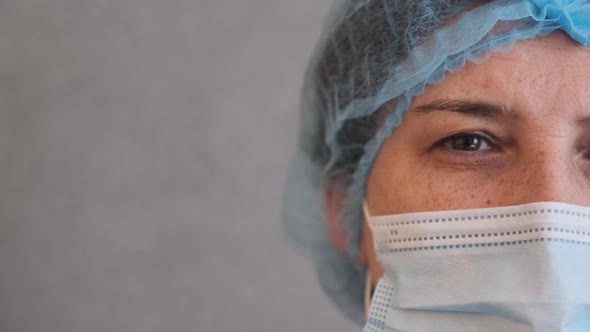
(444, 164)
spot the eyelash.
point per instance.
(447, 143)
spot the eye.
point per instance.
(466, 142)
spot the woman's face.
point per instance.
(512, 130)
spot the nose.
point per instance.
(548, 174)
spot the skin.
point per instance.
(538, 149)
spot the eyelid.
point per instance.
(492, 140)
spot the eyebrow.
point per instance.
(472, 108)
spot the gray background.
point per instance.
(143, 146)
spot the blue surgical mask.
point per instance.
(515, 268)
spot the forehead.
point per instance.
(537, 75)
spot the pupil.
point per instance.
(468, 143)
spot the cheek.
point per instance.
(415, 188)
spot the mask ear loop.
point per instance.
(368, 276)
(368, 292)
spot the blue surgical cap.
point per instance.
(373, 58)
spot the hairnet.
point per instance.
(374, 56)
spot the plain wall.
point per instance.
(143, 149)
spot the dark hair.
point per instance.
(385, 39)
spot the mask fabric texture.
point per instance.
(515, 268)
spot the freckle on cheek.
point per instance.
(434, 201)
